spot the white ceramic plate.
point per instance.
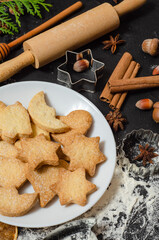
(64, 100)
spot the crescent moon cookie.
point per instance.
(38, 151)
(73, 187)
(84, 152)
(44, 116)
(14, 122)
(79, 122)
(13, 204)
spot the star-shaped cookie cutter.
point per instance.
(85, 80)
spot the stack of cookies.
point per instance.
(52, 152)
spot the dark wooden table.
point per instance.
(135, 27)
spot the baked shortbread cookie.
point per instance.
(79, 122)
(37, 131)
(15, 122)
(38, 151)
(44, 116)
(84, 152)
(65, 139)
(13, 204)
(12, 172)
(42, 178)
(17, 145)
(73, 187)
(8, 150)
(61, 154)
(2, 106)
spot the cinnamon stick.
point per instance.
(123, 95)
(134, 84)
(118, 73)
(117, 96)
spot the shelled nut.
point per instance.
(144, 104)
(155, 114)
(156, 71)
(151, 46)
(81, 65)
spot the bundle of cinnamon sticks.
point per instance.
(126, 70)
(123, 79)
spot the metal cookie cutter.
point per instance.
(85, 80)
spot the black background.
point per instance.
(134, 28)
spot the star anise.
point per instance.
(112, 43)
(116, 120)
(146, 154)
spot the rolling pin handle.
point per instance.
(128, 6)
(13, 66)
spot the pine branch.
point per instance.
(13, 7)
(6, 24)
(18, 8)
(7, 27)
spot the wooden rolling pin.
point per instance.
(70, 35)
(6, 48)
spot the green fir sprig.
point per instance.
(10, 25)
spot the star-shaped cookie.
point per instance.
(38, 151)
(41, 180)
(73, 187)
(84, 152)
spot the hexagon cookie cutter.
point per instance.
(78, 81)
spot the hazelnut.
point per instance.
(144, 104)
(155, 114)
(156, 71)
(81, 65)
(16, 9)
(151, 46)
